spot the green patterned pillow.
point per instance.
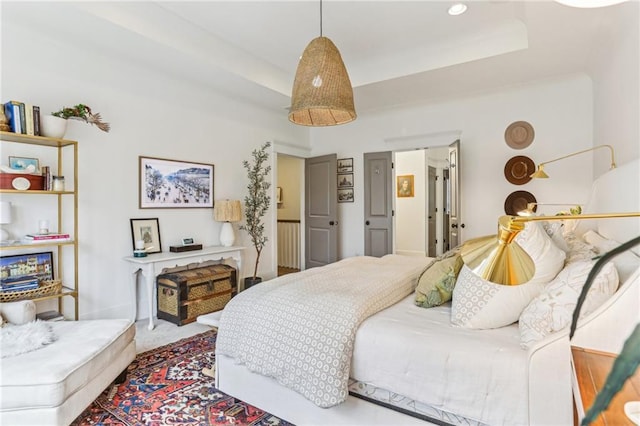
(437, 281)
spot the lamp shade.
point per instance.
(322, 94)
(227, 211)
(5, 212)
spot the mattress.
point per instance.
(393, 351)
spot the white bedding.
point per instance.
(300, 328)
(390, 353)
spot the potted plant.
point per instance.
(55, 125)
(256, 204)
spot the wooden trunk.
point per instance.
(185, 295)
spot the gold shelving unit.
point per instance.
(70, 285)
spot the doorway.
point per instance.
(288, 202)
(422, 217)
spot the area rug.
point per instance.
(165, 386)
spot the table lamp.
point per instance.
(5, 218)
(227, 211)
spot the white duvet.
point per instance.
(300, 328)
(418, 353)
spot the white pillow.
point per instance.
(578, 248)
(626, 263)
(552, 310)
(480, 304)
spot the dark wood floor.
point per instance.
(284, 271)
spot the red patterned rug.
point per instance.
(165, 386)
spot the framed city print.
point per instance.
(345, 195)
(174, 184)
(345, 180)
(345, 165)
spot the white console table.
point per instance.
(152, 265)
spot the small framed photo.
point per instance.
(187, 241)
(174, 184)
(147, 230)
(345, 165)
(23, 163)
(345, 180)
(345, 195)
(405, 186)
(19, 270)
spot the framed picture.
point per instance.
(22, 268)
(174, 184)
(345, 180)
(279, 194)
(345, 165)
(147, 230)
(345, 195)
(22, 163)
(405, 186)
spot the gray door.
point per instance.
(455, 224)
(321, 223)
(445, 216)
(378, 205)
(431, 211)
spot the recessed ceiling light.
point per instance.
(457, 9)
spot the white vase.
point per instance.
(227, 237)
(52, 126)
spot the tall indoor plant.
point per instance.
(256, 204)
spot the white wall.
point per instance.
(614, 68)
(152, 115)
(410, 211)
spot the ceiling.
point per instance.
(397, 53)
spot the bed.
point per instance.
(409, 364)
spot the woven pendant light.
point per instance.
(322, 94)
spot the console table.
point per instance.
(152, 265)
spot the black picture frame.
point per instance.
(164, 183)
(345, 195)
(345, 165)
(345, 180)
(27, 265)
(147, 229)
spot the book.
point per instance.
(50, 316)
(12, 112)
(28, 112)
(36, 120)
(22, 287)
(23, 118)
(18, 282)
(38, 237)
(46, 174)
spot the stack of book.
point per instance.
(46, 238)
(23, 118)
(19, 283)
(50, 316)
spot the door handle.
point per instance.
(367, 223)
(454, 225)
(331, 223)
(462, 226)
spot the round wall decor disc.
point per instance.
(518, 169)
(517, 201)
(519, 134)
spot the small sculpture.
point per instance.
(83, 112)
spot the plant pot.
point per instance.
(250, 281)
(52, 126)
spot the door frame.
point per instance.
(294, 151)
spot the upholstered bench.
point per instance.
(54, 384)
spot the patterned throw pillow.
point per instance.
(480, 304)
(578, 249)
(436, 283)
(626, 263)
(552, 310)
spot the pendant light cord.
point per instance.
(320, 18)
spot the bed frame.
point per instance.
(550, 395)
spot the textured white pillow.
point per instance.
(480, 304)
(626, 263)
(578, 248)
(552, 310)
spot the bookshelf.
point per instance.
(65, 253)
